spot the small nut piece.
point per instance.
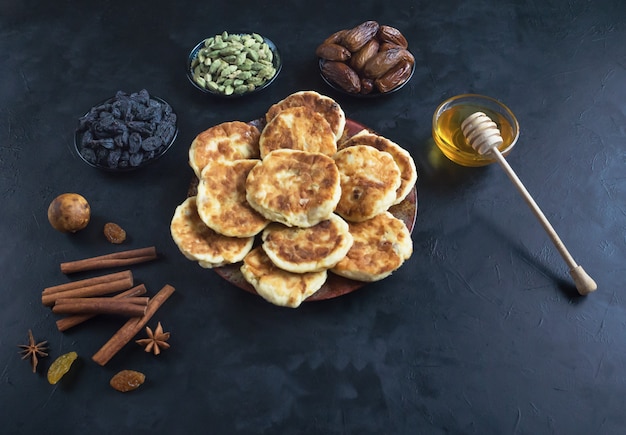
(127, 380)
(114, 233)
(69, 212)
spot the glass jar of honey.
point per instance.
(449, 138)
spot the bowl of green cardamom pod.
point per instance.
(233, 64)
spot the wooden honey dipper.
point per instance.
(484, 136)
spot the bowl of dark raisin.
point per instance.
(126, 132)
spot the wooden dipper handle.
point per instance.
(484, 136)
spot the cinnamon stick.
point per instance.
(101, 289)
(116, 259)
(131, 327)
(139, 300)
(71, 321)
(88, 282)
(131, 306)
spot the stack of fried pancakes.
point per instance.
(315, 199)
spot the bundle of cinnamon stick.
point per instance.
(113, 293)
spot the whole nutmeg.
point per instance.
(69, 212)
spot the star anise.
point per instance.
(33, 350)
(156, 340)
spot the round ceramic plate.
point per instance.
(335, 285)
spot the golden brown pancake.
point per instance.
(324, 105)
(381, 245)
(408, 171)
(296, 188)
(199, 243)
(221, 199)
(369, 180)
(310, 249)
(229, 141)
(276, 285)
(298, 128)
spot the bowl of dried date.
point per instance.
(233, 65)
(126, 132)
(369, 60)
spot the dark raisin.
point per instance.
(141, 127)
(101, 154)
(114, 158)
(151, 143)
(135, 159)
(134, 142)
(89, 155)
(106, 143)
(87, 140)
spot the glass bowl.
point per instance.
(201, 83)
(452, 112)
(126, 132)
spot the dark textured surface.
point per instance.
(480, 332)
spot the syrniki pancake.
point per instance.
(229, 141)
(221, 199)
(199, 243)
(276, 285)
(381, 245)
(369, 180)
(310, 249)
(322, 104)
(408, 171)
(298, 128)
(296, 188)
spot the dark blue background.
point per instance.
(480, 332)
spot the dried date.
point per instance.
(358, 36)
(394, 77)
(393, 35)
(342, 75)
(333, 52)
(336, 37)
(383, 61)
(367, 86)
(366, 52)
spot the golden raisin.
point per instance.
(114, 233)
(127, 380)
(61, 366)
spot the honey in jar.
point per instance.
(449, 137)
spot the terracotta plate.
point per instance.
(335, 285)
